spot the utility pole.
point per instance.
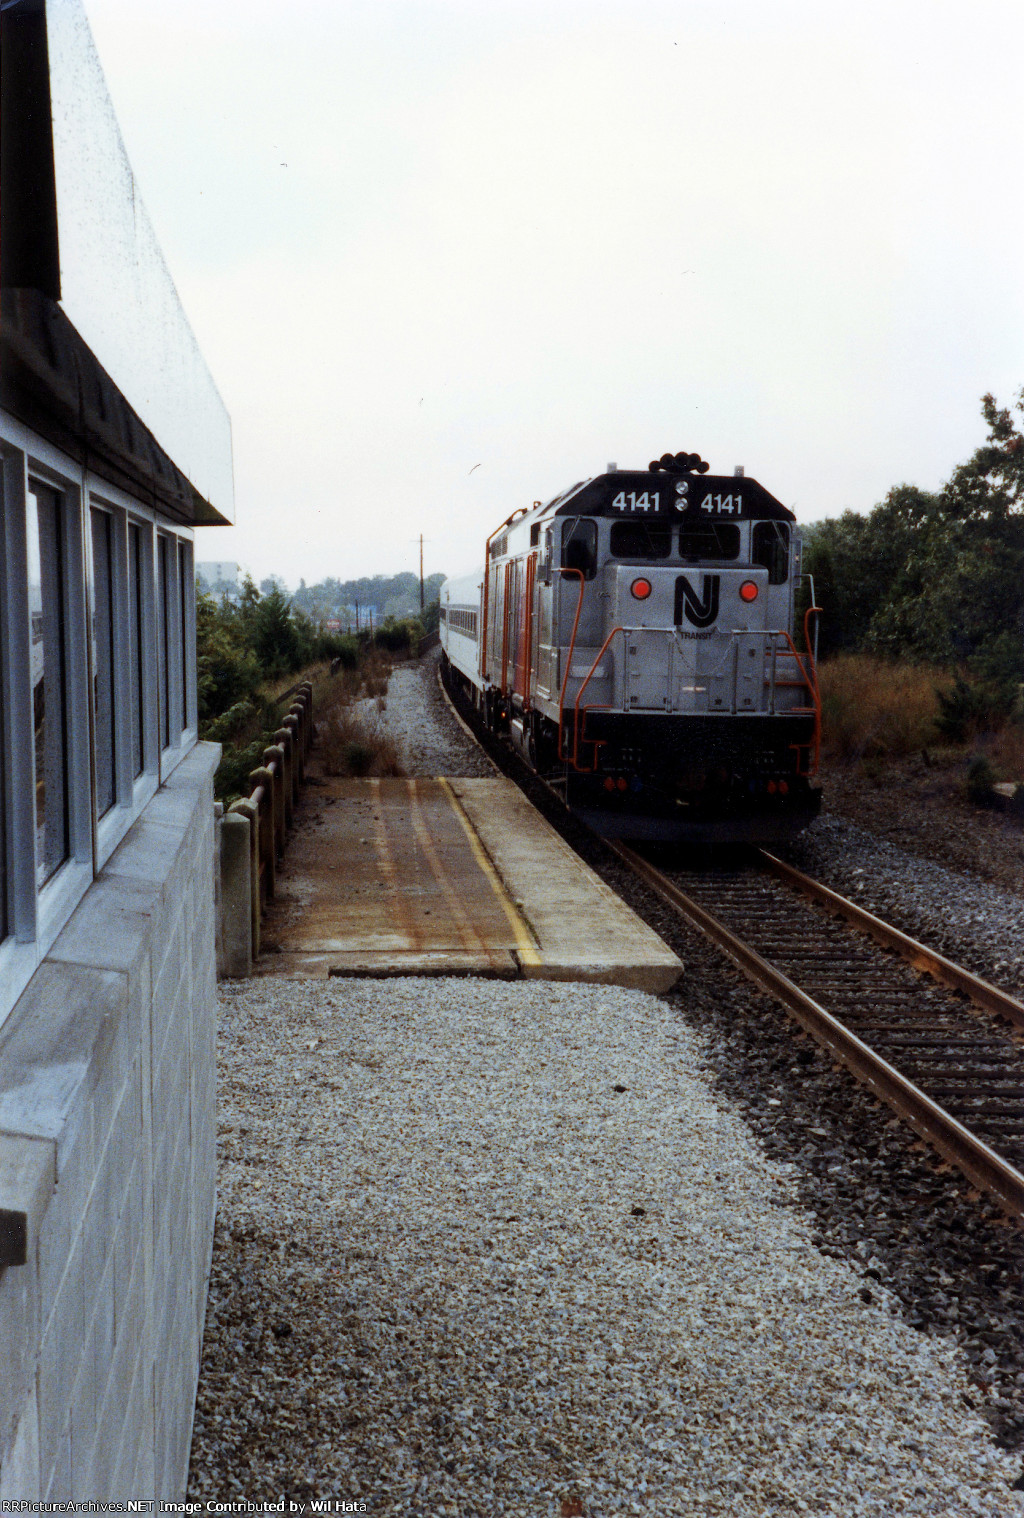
(421, 571)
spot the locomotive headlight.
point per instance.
(682, 487)
(748, 591)
(641, 589)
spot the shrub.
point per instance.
(398, 637)
(981, 781)
(353, 742)
(970, 708)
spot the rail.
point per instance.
(939, 1128)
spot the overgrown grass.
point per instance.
(874, 709)
(351, 738)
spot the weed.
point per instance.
(351, 739)
(872, 709)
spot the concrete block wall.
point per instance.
(108, 1146)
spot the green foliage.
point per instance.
(392, 596)
(357, 758)
(282, 642)
(937, 578)
(981, 781)
(263, 637)
(228, 671)
(399, 637)
(963, 711)
(239, 647)
(236, 765)
(344, 648)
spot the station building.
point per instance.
(114, 447)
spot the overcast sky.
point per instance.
(446, 257)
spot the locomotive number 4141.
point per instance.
(650, 500)
(637, 500)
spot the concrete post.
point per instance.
(273, 758)
(236, 895)
(290, 725)
(283, 739)
(298, 716)
(307, 691)
(248, 811)
(264, 778)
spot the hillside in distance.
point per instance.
(382, 595)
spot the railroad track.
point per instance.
(941, 1047)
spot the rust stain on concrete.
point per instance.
(381, 875)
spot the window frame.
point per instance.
(37, 914)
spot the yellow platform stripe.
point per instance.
(525, 944)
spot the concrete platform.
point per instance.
(441, 877)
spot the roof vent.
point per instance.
(738, 472)
(611, 468)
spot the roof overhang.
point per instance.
(51, 381)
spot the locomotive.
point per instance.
(632, 638)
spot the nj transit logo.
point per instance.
(700, 610)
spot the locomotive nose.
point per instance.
(693, 598)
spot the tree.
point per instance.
(935, 577)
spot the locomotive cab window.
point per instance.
(640, 540)
(700, 541)
(579, 546)
(771, 550)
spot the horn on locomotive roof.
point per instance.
(679, 463)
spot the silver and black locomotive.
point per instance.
(634, 639)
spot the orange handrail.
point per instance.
(810, 683)
(577, 734)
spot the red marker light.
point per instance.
(609, 783)
(748, 591)
(641, 589)
(622, 783)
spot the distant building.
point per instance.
(114, 447)
(218, 576)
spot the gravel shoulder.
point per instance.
(430, 1286)
(920, 808)
(493, 1249)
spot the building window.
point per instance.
(47, 596)
(136, 650)
(97, 627)
(4, 929)
(186, 624)
(104, 728)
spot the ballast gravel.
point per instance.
(971, 921)
(493, 1249)
(429, 739)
